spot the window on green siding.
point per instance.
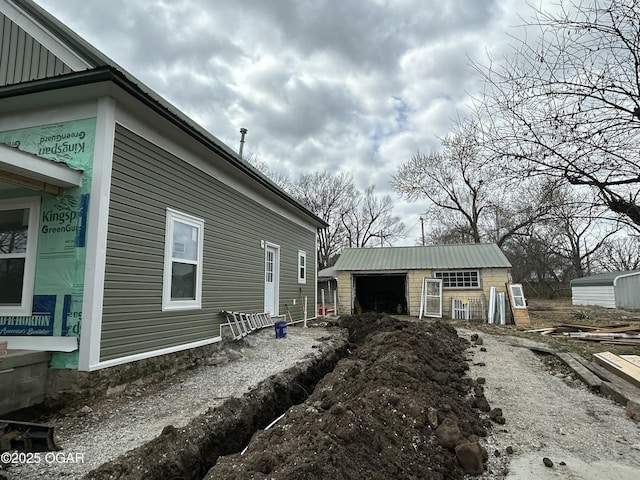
(18, 243)
(182, 281)
(460, 279)
(302, 267)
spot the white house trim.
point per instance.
(41, 344)
(155, 353)
(17, 120)
(97, 236)
(36, 168)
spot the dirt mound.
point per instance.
(187, 453)
(400, 406)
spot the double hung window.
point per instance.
(182, 283)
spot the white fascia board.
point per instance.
(52, 43)
(37, 168)
(41, 343)
(36, 116)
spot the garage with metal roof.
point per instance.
(392, 279)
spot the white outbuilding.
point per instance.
(610, 290)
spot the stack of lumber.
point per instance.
(625, 366)
(625, 334)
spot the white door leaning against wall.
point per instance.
(271, 279)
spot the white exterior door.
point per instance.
(271, 279)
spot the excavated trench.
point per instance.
(392, 401)
(188, 453)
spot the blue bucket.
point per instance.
(281, 329)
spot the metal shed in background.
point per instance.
(610, 290)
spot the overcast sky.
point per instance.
(338, 85)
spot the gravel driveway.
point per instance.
(586, 436)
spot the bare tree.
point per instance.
(355, 219)
(563, 245)
(567, 105)
(579, 230)
(331, 198)
(470, 199)
(619, 254)
(452, 180)
(371, 220)
(280, 179)
(534, 260)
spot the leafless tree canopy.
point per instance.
(371, 221)
(330, 198)
(566, 103)
(468, 197)
(355, 219)
(619, 254)
(452, 180)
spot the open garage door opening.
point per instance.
(380, 293)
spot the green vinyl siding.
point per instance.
(147, 180)
(22, 58)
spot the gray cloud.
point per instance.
(350, 85)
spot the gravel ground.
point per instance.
(548, 415)
(102, 431)
(552, 415)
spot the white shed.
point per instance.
(610, 290)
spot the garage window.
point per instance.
(459, 279)
(182, 282)
(18, 240)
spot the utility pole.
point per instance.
(422, 225)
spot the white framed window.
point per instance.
(182, 280)
(460, 279)
(302, 267)
(517, 296)
(18, 244)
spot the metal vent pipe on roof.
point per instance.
(243, 132)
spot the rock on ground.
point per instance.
(550, 415)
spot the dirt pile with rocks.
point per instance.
(401, 405)
(375, 397)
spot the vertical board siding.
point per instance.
(22, 58)
(147, 180)
(343, 280)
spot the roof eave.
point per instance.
(108, 73)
